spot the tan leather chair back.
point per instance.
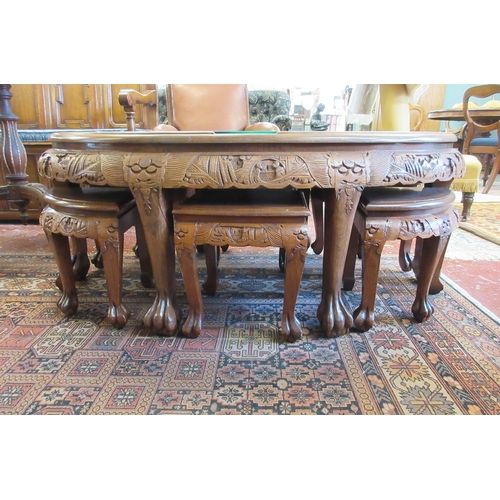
(208, 106)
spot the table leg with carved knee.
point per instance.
(334, 314)
(155, 211)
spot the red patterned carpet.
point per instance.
(484, 221)
(49, 364)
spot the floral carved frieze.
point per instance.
(92, 169)
(272, 171)
(327, 170)
(345, 171)
(406, 229)
(80, 227)
(259, 235)
(410, 168)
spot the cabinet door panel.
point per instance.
(72, 105)
(28, 105)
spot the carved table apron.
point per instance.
(155, 164)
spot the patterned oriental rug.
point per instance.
(53, 365)
(484, 221)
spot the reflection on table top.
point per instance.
(144, 138)
(457, 114)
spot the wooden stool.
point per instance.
(392, 213)
(250, 217)
(102, 214)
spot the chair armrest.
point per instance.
(129, 98)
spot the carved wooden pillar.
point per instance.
(13, 160)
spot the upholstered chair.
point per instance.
(270, 106)
(207, 107)
(480, 136)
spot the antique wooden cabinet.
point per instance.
(46, 108)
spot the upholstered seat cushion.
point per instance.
(485, 141)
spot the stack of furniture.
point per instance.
(216, 217)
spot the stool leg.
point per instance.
(431, 255)
(350, 261)
(211, 283)
(111, 247)
(80, 258)
(97, 258)
(436, 286)
(405, 260)
(364, 315)
(186, 253)
(295, 256)
(467, 200)
(68, 302)
(317, 211)
(142, 252)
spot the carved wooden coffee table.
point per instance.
(154, 165)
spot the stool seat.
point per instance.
(76, 200)
(257, 217)
(380, 200)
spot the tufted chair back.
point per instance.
(270, 106)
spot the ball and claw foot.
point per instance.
(68, 303)
(163, 317)
(422, 310)
(192, 326)
(334, 317)
(290, 329)
(363, 319)
(118, 315)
